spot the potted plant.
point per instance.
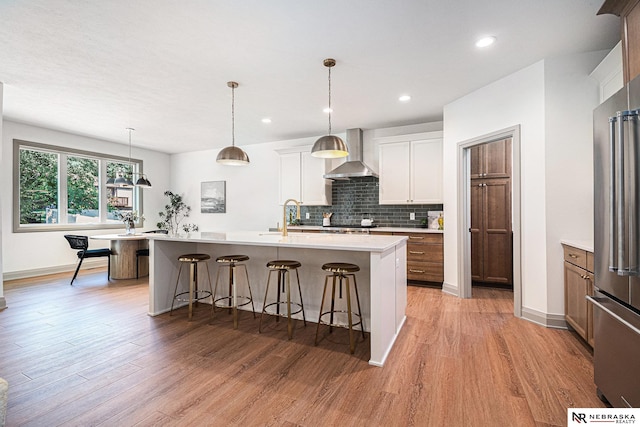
(174, 212)
(129, 219)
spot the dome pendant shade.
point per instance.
(232, 156)
(329, 147)
(143, 182)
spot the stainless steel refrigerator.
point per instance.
(616, 303)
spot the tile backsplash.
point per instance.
(354, 198)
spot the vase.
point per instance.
(129, 227)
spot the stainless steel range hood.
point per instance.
(354, 167)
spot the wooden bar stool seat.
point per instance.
(193, 294)
(283, 269)
(341, 272)
(230, 301)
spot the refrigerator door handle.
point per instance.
(598, 302)
(613, 220)
(624, 193)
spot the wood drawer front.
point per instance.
(425, 253)
(425, 271)
(433, 238)
(575, 256)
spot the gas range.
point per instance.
(347, 229)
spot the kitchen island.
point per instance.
(382, 280)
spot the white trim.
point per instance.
(464, 217)
(409, 137)
(24, 274)
(545, 319)
(450, 289)
(3, 303)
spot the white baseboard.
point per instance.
(3, 303)
(544, 319)
(23, 274)
(450, 289)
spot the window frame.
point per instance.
(63, 152)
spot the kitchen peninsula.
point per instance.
(382, 280)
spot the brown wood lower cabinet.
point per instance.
(425, 256)
(578, 283)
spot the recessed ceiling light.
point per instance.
(266, 120)
(328, 110)
(404, 98)
(485, 41)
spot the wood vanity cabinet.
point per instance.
(578, 283)
(425, 256)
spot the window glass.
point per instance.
(57, 188)
(83, 202)
(38, 171)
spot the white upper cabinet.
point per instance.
(301, 177)
(411, 169)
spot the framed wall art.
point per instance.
(213, 197)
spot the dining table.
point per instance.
(123, 254)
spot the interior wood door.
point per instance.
(477, 230)
(477, 156)
(497, 159)
(497, 252)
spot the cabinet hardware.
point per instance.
(416, 271)
(573, 256)
(416, 253)
(416, 237)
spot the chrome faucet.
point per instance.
(284, 215)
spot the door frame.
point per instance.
(464, 218)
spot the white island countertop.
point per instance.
(382, 278)
(342, 242)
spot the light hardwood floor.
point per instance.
(88, 355)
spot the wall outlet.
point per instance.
(307, 215)
(412, 216)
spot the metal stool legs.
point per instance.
(233, 293)
(284, 285)
(341, 277)
(194, 295)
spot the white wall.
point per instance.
(546, 99)
(252, 190)
(515, 99)
(570, 100)
(2, 202)
(38, 251)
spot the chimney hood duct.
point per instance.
(354, 167)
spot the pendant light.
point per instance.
(123, 180)
(232, 155)
(329, 146)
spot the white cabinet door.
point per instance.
(426, 171)
(290, 172)
(411, 170)
(315, 189)
(394, 173)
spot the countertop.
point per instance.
(373, 229)
(585, 245)
(333, 241)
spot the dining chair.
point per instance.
(82, 243)
(145, 252)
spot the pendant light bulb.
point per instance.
(329, 146)
(232, 155)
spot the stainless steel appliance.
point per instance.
(616, 303)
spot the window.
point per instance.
(57, 188)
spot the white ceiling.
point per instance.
(97, 67)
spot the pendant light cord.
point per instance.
(329, 100)
(233, 117)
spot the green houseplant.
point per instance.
(174, 212)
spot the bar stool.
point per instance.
(341, 271)
(232, 261)
(283, 269)
(194, 295)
